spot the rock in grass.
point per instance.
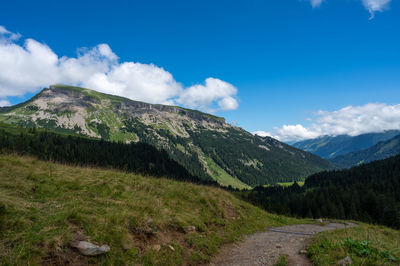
(156, 247)
(189, 229)
(303, 252)
(345, 261)
(89, 249)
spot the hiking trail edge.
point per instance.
(264, 248)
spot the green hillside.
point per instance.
(204, 144)
(43, 206)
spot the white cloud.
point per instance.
(263, 134)
(371, 5)
(33, 65)
(316, 3)
(350, 120)
(10, 36)
(202, 96)
(4, 103)
(375, 5)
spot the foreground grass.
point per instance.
(43, 206)
(364, 244)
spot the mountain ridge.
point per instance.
(379, 151)
(329, 147)
(204, 144)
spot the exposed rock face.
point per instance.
(204, 144)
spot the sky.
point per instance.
(291, 69)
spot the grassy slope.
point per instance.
(47, 204)
(382, 248)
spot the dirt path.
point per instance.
(264, 248)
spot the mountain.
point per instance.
(379, 151)
(329, 147)
(204, 144)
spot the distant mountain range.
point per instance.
(204, 144)
(329, 147)
(345, 151)
(379, 151)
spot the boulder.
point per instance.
(89, 249)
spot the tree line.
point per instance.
(369, 193)
(134, 157)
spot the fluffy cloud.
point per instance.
(202, 96)
(375, 5)
(350, 120)
(33, 65)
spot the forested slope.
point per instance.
(134, 157)
(369, 193)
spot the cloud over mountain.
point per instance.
(28, 67)
(350, 120)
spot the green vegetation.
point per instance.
(273, 161)
(364, 244)
(287, 184)
(204, 144)
(134, 157)
(43, 206)
(222, 177)
(282, 260)
(369, 193)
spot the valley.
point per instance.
(209, 133)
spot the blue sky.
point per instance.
(274, 62)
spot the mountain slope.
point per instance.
(204, 144)
(379, 151)
(329, 147)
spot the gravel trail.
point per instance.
(264, 248)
